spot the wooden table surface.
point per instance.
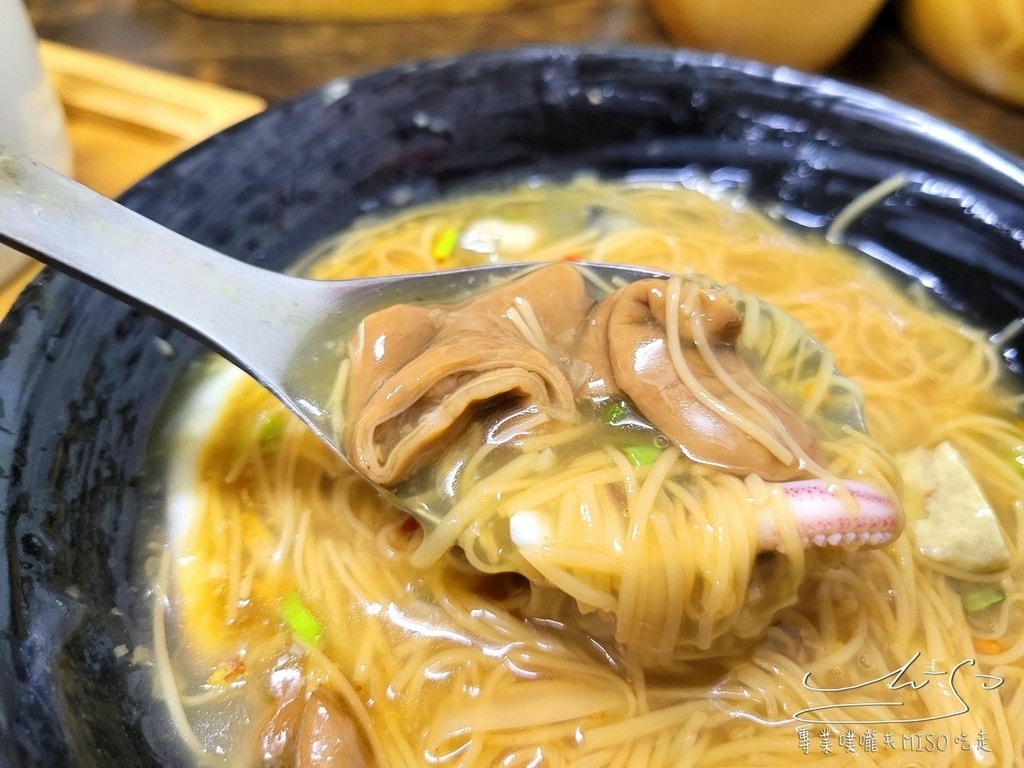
(277, 60)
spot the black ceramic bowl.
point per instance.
(83, 380)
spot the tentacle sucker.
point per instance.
(825, 516)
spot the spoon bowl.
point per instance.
(285, 331)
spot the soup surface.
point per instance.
(298, 614)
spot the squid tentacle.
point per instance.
(824, 516)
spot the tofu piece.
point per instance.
(949, 517)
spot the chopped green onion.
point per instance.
(616, 413)
(980, 599)
(299, 618)
(445, 244)
(642, 455)
(271, 429)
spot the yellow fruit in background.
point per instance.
(806, 34)
(980, 43)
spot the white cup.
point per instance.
(31, 117)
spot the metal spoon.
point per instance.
(284, 331)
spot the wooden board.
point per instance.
(125, 120)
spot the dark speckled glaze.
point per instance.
(82, 381)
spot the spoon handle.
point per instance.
(231, 305)
(284, 331)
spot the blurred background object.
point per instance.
(31, 119)
(981, 44)
(348, 9)
(806, 34)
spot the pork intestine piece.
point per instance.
(419, 373)
(626, 344)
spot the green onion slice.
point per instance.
(300, 619)
(642, 455)
(982, 598)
